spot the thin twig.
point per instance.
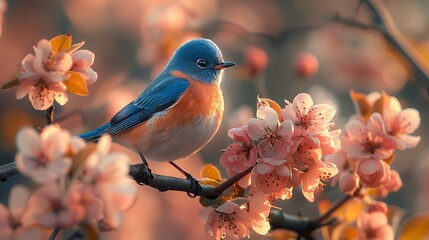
(54, 233)
(228, 183)
(262, 88)
(334, 208)
(384, 24)
(50, 115)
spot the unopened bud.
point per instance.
(349, 182)
(306, 65)
(255, 60)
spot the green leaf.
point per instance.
(76, 84)
(13, 83)
(207, 202)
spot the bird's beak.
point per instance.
(224, 65)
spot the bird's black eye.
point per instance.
(201, 63)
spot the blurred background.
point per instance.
(281, 47)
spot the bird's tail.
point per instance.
(95, 134)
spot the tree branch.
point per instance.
(384, 24)
(54, 233)
(141, 174)
(7, 170)
(50, 115)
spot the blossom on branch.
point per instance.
(374, 225)
(106, 176)
(228, 221)
(43, 157)
(56, 67)
(400, 123)
(14, 225)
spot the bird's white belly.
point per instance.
(178, 142)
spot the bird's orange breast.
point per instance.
(199, 100)
(184, 128)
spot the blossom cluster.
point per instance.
(56, 67)
(368, 148)
(285, 146)
(78, 183)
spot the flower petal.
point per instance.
(302, 104)
(28, 142)
(256, 128)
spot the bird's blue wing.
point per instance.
(159, 96)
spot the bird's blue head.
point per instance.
(200, 59)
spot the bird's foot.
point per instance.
(148, 170)
(194, 182)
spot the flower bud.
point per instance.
(349, 182)
(306, 65)
(255, 60)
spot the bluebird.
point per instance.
(179, 112)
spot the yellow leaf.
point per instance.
(80, 158)
(362, 105)
(61, 42)
(348, 212)
(282, 234)
(210, 171)
(345, 232)
(346, 215)
(380, 103)
(270, 103)
(416, 227)
(90, 230)
(390, 159)
(208, 181)
(76, 84)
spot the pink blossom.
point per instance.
(107, 174)
(259, 209)
(368, 140)
(393, 184)
(50, 207)
(378, 206)
(349, 182)
(86, 196)
(82, 62)
(3, 8)
(373, 226)
(228, 221)
(340, 160)
(43, 75)
(12, 220)
(373, 172)
(272, 179)
(307, 116)
(43, 157)
(240, 134)
(237, 159)
(314, 178)
(239, 156)
(305, 152)
(276, 137)
(329, 141)
(5, 226)
(400, 123)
